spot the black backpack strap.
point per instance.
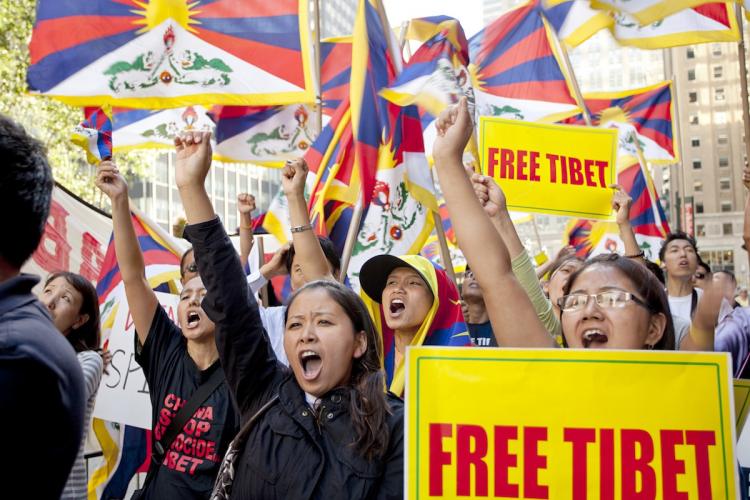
(159, 448)
(184, 414)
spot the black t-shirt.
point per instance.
(191, 464)
(482, 335)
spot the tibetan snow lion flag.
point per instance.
(646, 11)
(156, 129)
(171, 53)
(94, 134)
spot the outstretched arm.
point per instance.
(705, 319)
(621, 202)
(308, 255)
(244, 349)
(141, 298)
(512, 315)
(246, 206)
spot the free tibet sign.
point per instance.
(566, 424)
(552, 169)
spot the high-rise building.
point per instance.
(157, 195)
(709, 179)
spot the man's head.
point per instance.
(25, 194)
(702, 274)
(679, 256)
(725, 278)
(295, 270)
(471, 292)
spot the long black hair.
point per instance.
(86, 336)
(647, 286)
(369, 408)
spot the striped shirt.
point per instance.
(92, 366)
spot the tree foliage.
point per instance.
(48, 120)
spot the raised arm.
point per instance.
(511, 313)
(703, 326)
(246, 206)
(141, 298)
(621, 202)
(492, 198)
(308, 254)
(244, 349)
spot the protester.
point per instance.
(188, 268)
(412, 303)
(702, 274)
(322, 428)
(307, 258)
(73, 304)
(733, 329)
(475, 315)
(559, 273)
(42, 395)
(742, 297)
(679, 256)
(513, 317)
(246, 207)
(543, 271)
(178, 363)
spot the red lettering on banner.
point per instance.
(607, 464)
(466, 458)
(55, 233)
(533, 462)
(579, 438)
(637, 463)
(576, 177)
(534, 166)
(438, 457)
(506, 163)
(504, 460)
(491, 161)
(91, 257)
(521, 164)
(671, 466)
(552, 167)
(701, 440)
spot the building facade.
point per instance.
(712, 149)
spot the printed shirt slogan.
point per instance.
(566, 424)
(554, 169)
(190, 448)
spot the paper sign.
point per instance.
(123, 395)
(502, 423)
(551, 169)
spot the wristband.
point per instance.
(636, 256)
(300, 229)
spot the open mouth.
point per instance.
(193, 318)
(397, 307)
(594, 339)
(311, 364)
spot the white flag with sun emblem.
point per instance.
(170, 53)
(153, 129)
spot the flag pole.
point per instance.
(261, 261)
(445, 255)
(742, 56)
(318, 90)
(351, 237)
(560, 46)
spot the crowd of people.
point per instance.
(304, 399)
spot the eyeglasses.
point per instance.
(611, 299)
(192, 268)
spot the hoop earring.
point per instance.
(650, 347)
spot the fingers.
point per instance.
(287, 171)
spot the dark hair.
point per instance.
(86, 336)
(558, 263)
(329, 250)
(677, 235)
(368, 405)
(25, 192)
(705, 266)
(182, 262)
(656, 270)
(647, 286)
(729, 273)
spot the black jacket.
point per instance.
(291, 452)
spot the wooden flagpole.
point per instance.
(351, 237)
(261, 261)
(318, 79)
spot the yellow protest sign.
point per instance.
(552, 169)
(569, 424)
(741, 403)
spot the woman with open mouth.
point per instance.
(412, 303)
(324, 427)
(610, 302)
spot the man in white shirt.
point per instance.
(679, 256)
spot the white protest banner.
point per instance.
(123, 394)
